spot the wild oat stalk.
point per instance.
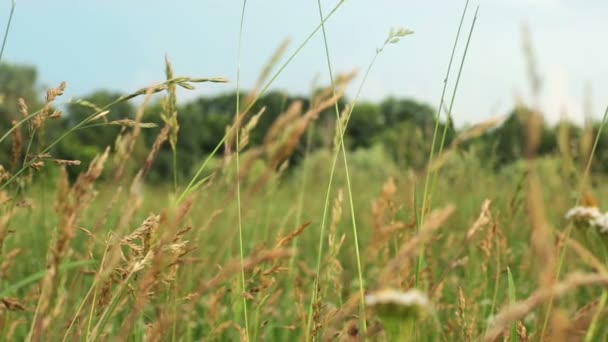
(169, 116)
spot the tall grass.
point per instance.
(238, 169)
(340, 133)
(426, 191)
(118, 258)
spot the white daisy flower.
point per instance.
(399, 311)
(409, 298)
(589, 215)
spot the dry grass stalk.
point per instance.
(477, 130)
(51, 95)
(11, 304)
(219, 329)
(474, 132)
(169, 106)
(162, 252)
(23, 110)
(535, 79)
(71, 203)
(16, 147)
(265, 73)
(522, 332)
(350, 332)
(65, 162)
(534, 127)
(295, 132)
(384, 224)
(586, 143)
(131, 138)
(560, 326)
(436, 290)
(518, 310)
(332, 267)
(485, 217)
(7, 261)
(241, 114)
(283, 241)
(4, 175)
(5, 218)
(542, 239)
(579, 322)
(584, 254)
(336, 317)
(245, 131)
(278, 125)
(395, 266)
(10, 332)
(282, 147)
(224, 274)
(466, 329)
(564, 145)
(162, 136)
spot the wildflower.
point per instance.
(590, 216)
(398, 300)
(399, 311)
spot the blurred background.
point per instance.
(104, 49)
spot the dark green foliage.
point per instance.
(15, 81)
(506, 143)
(403, 127)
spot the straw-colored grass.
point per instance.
(262, 250)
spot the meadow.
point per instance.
(344, 244)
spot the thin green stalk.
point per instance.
(600, 308)
(570, 225)
(449, 113)
(435, 134)
(92, 290)
(321, 246)
(347, 174)
(174, 324)
(8, 27)
(105, 316)
(328, 192)
(40, 274)
(497, 280)
(188, 189)
(18, 124)
(302, 192)
(175, 170)
(238, 168)
(29, 145)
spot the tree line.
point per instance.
(402, 126)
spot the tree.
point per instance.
(85, 143)
(365, 123)
(507, 143)
(16, 81)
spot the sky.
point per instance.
(121, 45)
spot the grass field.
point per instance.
(332, 248)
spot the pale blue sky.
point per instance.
(121, 45)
